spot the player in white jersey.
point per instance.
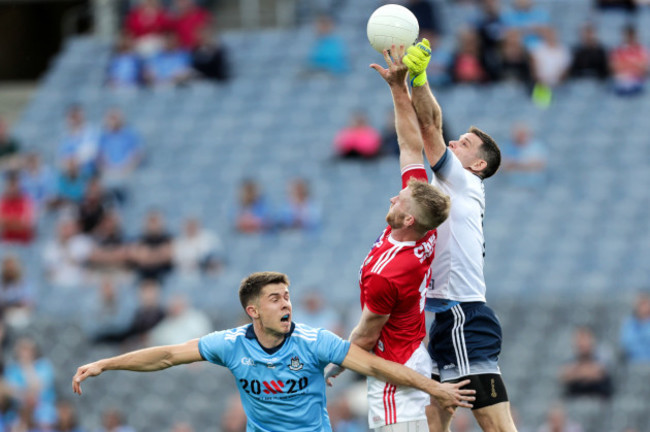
(465, 337)
(396, 272)
(278, 364)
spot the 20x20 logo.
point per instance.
(274, 387)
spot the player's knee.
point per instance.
(495, 418)
(438, 419)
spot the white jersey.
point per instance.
(458, 266)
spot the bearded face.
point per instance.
(395, 218)
(399, 209)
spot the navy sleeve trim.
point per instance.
(441, 162)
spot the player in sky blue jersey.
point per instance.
(278, 364)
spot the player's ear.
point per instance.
(409, 220)
(251, 311)
(479, 165)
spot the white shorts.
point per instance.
(388, 404)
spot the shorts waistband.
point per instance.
(465, 306)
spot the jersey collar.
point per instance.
(250, 334)
(399, 243)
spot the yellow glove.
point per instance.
(417, 59)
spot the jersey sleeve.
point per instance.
(380, 296)
(331, 348)
(415, 171)
(451, 171)
(212, 348)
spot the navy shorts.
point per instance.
(465, 340)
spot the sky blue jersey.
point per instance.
(284, 388)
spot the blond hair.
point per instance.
(430, 207)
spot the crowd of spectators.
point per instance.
(84, 190)
(162, 46)
(518, 42)
(87, 185)
(299, 211)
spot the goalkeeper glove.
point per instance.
(417, 59)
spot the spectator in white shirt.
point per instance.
(182, 323)
(196, 249)
(65, 256)
(551, 60)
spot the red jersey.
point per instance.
(630, 61)
(142, 22)
(189, 25)
(394, 279)
(17, 216)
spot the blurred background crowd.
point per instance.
(172, 147)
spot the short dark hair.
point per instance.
(251, 286)
(489, 152)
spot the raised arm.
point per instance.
(448, 395)
(144, 360)
(406, 122)
(429, 113)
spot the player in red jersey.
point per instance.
(395, 274)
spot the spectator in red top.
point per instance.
(629, 64)
(146, 23)
(17, 216)
(188, 22)
(359, 139)
(467, 65)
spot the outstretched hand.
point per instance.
(417, 59)
(395, 73)
(83, 372)
(451, 396)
